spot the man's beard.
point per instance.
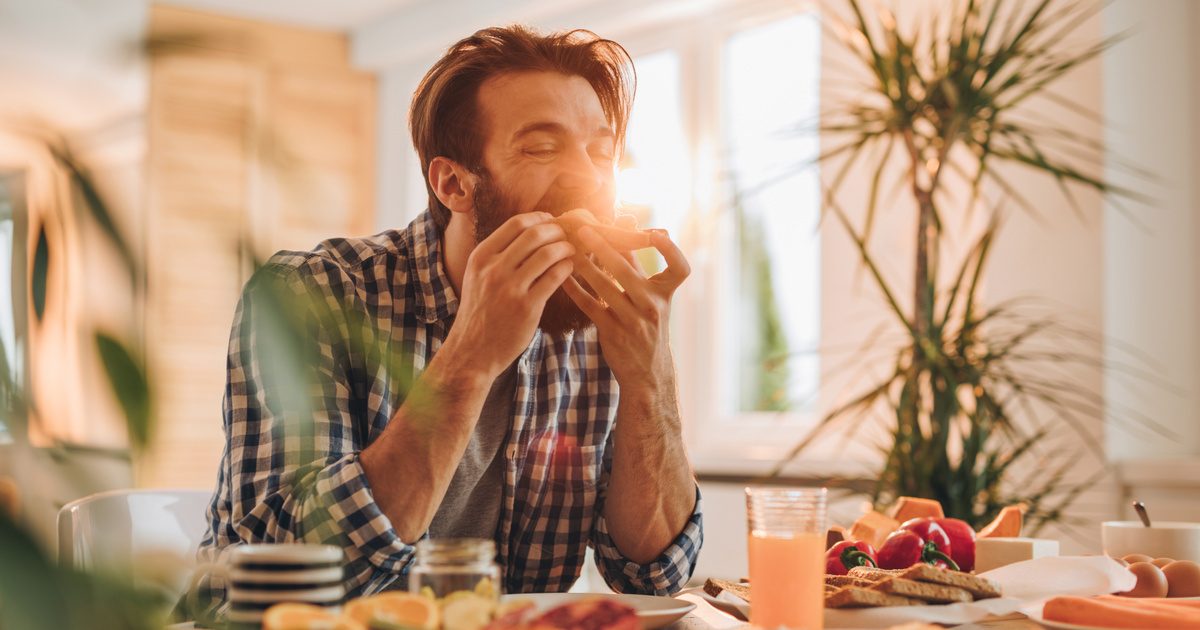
(492, 209)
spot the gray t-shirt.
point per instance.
(471, 507)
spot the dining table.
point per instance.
(707, 617)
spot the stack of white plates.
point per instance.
(261, 576)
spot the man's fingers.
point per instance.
(677, 269)
(553, 278)
(508, 232)
(590, 306)
(621, 269)
(542, 260)
(633, 262)
(530, 241)
(604, 287)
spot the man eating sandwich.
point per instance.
(500, 368)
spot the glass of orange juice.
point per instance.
(787, 557)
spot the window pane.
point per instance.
(8, 312)
(654, 178)
(771, 92)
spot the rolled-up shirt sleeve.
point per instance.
(290, 471)
(665, 575)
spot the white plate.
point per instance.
(946, 614)
(734, 608)
(653, 612)
(1058, 625)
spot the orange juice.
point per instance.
(787, 581)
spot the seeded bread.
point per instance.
(924, 591)
(857, 597)
(980, 588)
(872, 574)
(847, 580)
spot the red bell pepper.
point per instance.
(962, 542)
(849, 554)
(918, 540)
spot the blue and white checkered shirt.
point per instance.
(289, 475)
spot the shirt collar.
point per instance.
(437, 300)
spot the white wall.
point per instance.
(1152, 261)
(400, 188)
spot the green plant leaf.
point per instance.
(127, 378)
(39, 594)
(40, 274)
(96, 206)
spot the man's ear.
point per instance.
(453, 184)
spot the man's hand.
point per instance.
(651, 493)
(631, 311)
(509, 278)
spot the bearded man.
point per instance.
(477, 374)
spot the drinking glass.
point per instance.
(787, 557)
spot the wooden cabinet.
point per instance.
(260, 138)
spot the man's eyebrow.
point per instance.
(603, 131)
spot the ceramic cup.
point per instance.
(1166, 539)
(259, 576)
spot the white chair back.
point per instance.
(153, 534)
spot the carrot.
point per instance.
(1155, 601)
(1110, 613)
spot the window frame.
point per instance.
(739, 443)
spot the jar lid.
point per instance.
(455, 551)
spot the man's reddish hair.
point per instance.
(444, 117)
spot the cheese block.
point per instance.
(874, 528)
(993, 553)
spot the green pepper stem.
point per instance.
(931, 554)
(852, 557)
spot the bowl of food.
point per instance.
(1163, 539)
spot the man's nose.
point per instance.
(581, 174)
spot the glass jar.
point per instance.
(455, 565)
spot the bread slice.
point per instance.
(621, 238)
(980, 588)
(846, 580)
(856, 597)
(924, 591)
(873, 574)
(713, 587)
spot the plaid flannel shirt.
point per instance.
(305, 483)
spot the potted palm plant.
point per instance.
(947, 98)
